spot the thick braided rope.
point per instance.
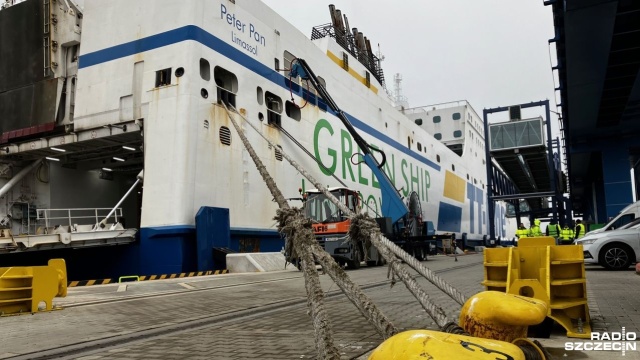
(290, 226)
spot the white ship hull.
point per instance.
(125, 44)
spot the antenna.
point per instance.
(401, 101)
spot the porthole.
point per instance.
(205, 69)
(179, 72)
(204, 93)
(260, 116)
(260, 95)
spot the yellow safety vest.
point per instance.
(553, 230)
(535, 231)
(566, 235)
(580, 231)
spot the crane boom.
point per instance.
(392, 204)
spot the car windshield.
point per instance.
(632, 224)
(319, 209)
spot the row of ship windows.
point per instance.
(227, 87)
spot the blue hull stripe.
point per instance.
(449, 217)
(194, 33)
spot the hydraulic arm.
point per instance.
(392, 204)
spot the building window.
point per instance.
(436, 119)
(456, 116)
(163, 77)
(205, 70)
(227, 85)
(438, 136)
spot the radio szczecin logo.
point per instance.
(606, 341)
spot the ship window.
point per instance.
(467, 176)
(367, 79)
(274, 108)
(345, 61)
(475, 181)
(456, 116)
(322, 82)
(292, 110)
(227, 85)
(278, 153)
(288, 59)
(225, 135)
(438, 136)
(409, 142)
(457, 134)
(205, 70)
(179, 72)
(438, 158)
(276, 63)
(260, 95)
(436, 119)
(419, 146)
(418, 122)
(453, 167)
(163, 77)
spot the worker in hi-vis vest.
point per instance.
(580, 229)
(566, 235)
(535, 229)
(553, 230)
(522, 231)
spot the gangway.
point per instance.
(523, 149)
(68, 228)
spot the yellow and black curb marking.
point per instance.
(147, 278)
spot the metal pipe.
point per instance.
(11, 183)
(102, 223)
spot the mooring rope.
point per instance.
(292, 226)
(353, 292)
(432, 309)
(440, 283)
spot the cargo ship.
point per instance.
(117, 154)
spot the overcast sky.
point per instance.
(489, 52)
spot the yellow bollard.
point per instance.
(23, 288)
(499, 316)
(427, 344)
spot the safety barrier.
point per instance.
(23, 288)
(539, 269)
(146, 278)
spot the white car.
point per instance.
(614, 249)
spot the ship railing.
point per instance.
(347, 41)
(76, 216)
